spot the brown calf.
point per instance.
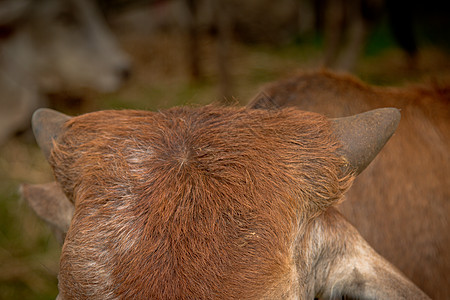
(212, 203)
(401, 203)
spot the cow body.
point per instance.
(400, 204)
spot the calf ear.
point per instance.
(362, 136)
(347, 266)
(47, 126)
(50, 203)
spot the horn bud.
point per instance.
(363, 135)
(47, 126)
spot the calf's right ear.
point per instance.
(347, 266)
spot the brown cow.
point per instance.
(213, 202)
(401, 203)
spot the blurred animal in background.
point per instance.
(347, 24)
(401, 203)
(211, 203)
(52, 46)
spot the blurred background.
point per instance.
(78, 56)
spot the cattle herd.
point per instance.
(260, 202)
(285, 198)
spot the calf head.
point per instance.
(215, 203)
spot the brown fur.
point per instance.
(401, 203)
(192, 203)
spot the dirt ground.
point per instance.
(29, 253)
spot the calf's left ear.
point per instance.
(50, 203)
